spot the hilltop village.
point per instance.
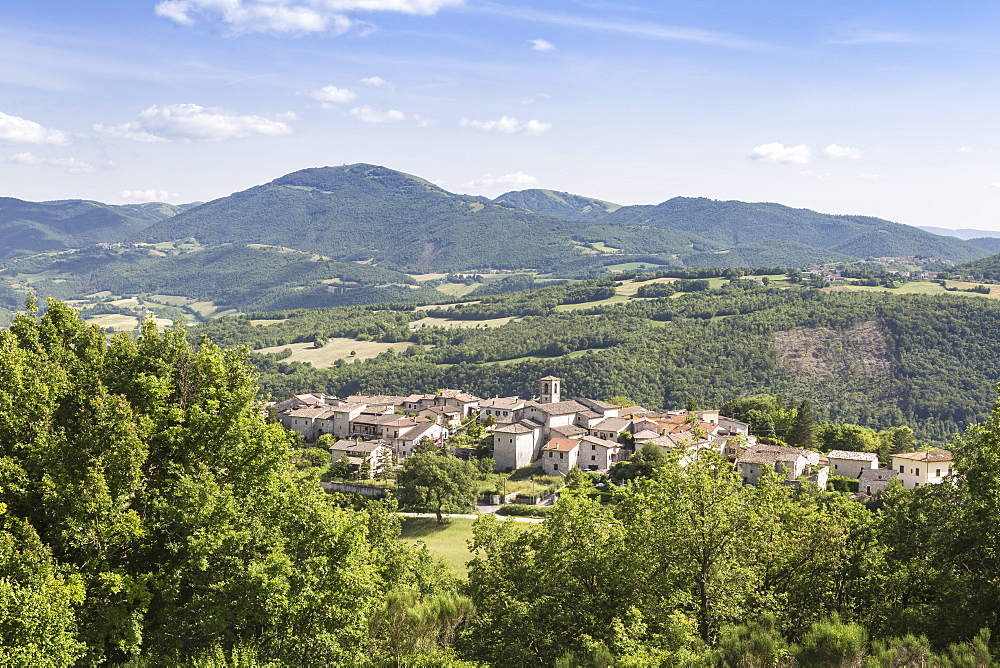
(557, 435)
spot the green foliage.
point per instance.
(642, 464)
(152, 509)
(832, 644)
(437, 483)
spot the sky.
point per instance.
(888, 109)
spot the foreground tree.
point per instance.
(170, 506)
(437, 483)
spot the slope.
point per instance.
(733, 223)
(33, 227)
(983, 269)
(559, 204)
(364, 212)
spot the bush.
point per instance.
(522, 510)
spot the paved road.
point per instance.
(470, 516)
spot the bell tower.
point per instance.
(548, 390)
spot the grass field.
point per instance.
(334, 350)
(450, 541)
(123, 323)
(931, 288)
(457, 289)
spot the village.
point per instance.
(556, 435)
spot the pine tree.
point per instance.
(803, 433)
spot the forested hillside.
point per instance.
(983, 269)
(875, 359)
(33, 227)
(232, 276)
(559, 204)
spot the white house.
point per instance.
(760, 459)
(926, 467)
(851, 464)
(515, 445)
(358, 452)
(597, 454)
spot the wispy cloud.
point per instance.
(518, 179)
(542, 45)
(370, 114)
(836, 151)
(191, 122)
(867, 36)
(289, 16)
(775, 152)
(508, 125)
(69, 165)
(17, 130)
(636, 29)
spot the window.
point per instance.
(937, 472)
(916, 471)
(560, 455)
(555, 467)
(900, 468)
(593, 458)
(949, 471)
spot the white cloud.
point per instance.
(964, 149)
(289, 16)
(192, 122)
(995, 184)
(835, 151)
(876, 37)
(542, 45)
(17, 130)
(329, 96)
(151, 195)
(71, 165)
(375, 82)
(508, 125)
(535, 98)
(775, 152)
(371, 115)
(519, 179)
(870, 177)
(808, 173)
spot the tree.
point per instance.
(425, 445)
(803, 433)
(386, 464)
(436, 483)
(642, 464)
(342, 469)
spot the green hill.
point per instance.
(990, 244)
(365, 212)
(231, 276)
(983, 269)
(35, 227)
(731, 223)
(559, 204)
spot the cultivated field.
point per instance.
(334, 350)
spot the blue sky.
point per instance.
(883, 109)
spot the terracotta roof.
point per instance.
(562, 444)
(645, 434)
(357, 446)
(849, 454)
(550, 378)
(926, 456)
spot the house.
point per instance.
(559, 455)
(559, 414)
(515, 445)
(405, 441)
(359, 452)
(874, 481)
(761, 459)
(926, 467)
(597, 454)
(502, 409)
(448, 416)
(851, 464)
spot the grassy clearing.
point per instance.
(457, 289)
(617, 299)
(931, 288)
(464, 324)
(634, 266)
(334, 350)
(420, 278)
(450, 540)
(123, 323)
(629, 288)
(265, 323)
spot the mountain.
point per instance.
(732, 223)
(369, 213)
(559, 204)
(34, 227)
(966, 234)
